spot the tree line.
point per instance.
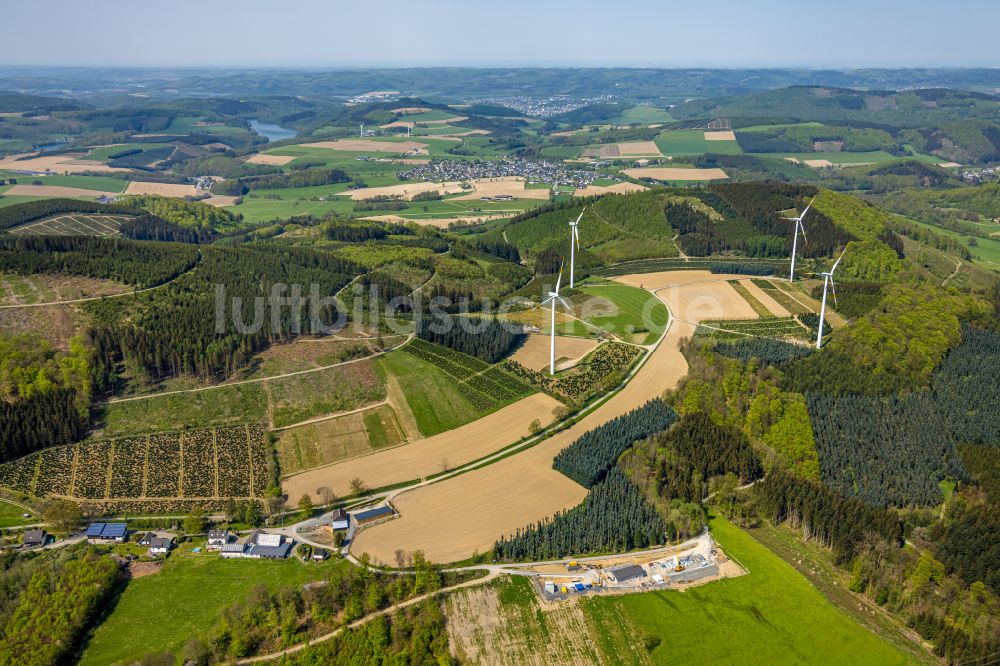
(487, 339)
(838, 522)
(39, 421)
(304, 178)
(589, 459)
(139, 263)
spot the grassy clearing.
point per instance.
(783, 298)
(637, 315)
(161, 612)
(218, 406)
(986, 251)
(338, 389)
(771, 616)
(11, 515)
(434, 398)
(340, 438)
(98, 183)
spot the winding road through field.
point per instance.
(455, 517)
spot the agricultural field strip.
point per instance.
(257, 380)
(533, 467)
(121, 468)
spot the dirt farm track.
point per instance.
(455, 518)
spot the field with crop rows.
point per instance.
(76, 224)
(197, 464)
(767, 327)
(607, 364)
(489, 387)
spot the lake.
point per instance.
(272, 132)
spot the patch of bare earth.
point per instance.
(483, 630)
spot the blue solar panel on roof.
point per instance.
(95, 529)
(114, 530)
(373, 513)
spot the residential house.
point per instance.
(34, 538)
(219, 538)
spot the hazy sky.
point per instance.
(332, 33)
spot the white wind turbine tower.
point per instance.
(795, 240)
(362, 131)
(553, 298)
(827, 282)
(574, 242)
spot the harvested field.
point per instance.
(162, 189)
(425, 457)
(818, 163)
(773, 306)
(56, 323)
(949, 165)
(271, 160)
(618, 188)
(508, 185)
(54, 191)
(452, 519)
(404, 190)
(66, 163)
(409, 110)
(666, 173)
(369, 145)
(534, 353)
(398, 123)
(720, 136)
(219, 200)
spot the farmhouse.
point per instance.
(107, 533)
(218, 538)
(34, 538)
(259, 545)
(626, 573)
(339, 520)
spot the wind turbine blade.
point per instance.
(559, 279)
(802, 228)
(803, 215)
(833, 287)
(580, 216)
(837, 262)
(564, 303)
(576, 236)
(547, 300)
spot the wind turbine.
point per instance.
(362, 131)
(795, 240)
(827, 282)
(574, 242)
(553, 298)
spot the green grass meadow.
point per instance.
(637, 311)
(161, 612)
(434, 398)
(11, 515)
(771, 616)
